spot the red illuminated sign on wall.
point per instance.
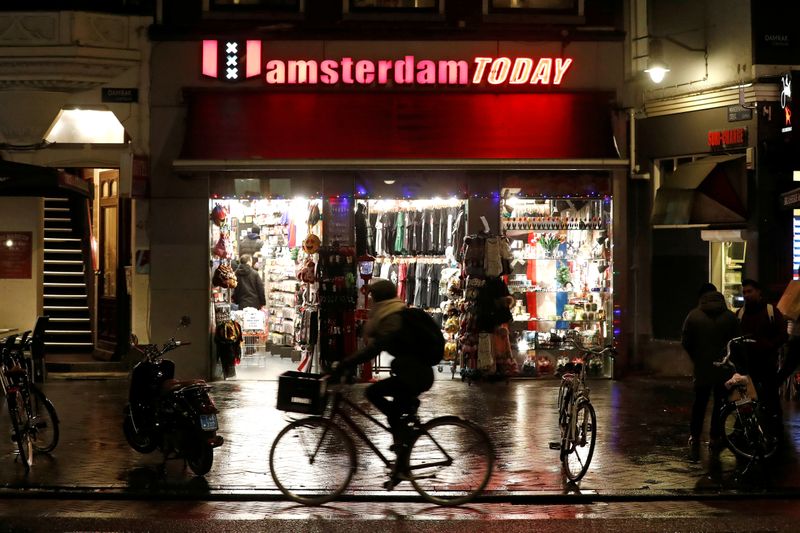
(240, 60)
(727, 138)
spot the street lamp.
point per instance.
(656, 66)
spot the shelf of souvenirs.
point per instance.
(534, 224)
(521, 320)
(526, 290)
(573, 258)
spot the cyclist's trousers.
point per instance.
(404, 399)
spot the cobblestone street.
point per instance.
(641, 445)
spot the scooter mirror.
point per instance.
(185, 321)
(134, 340)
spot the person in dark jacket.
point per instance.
(765, 324)
(706, 332)
(251, 244)
(249, 291)
(385, 331)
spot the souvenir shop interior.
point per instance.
(281, 300)
(263, 260)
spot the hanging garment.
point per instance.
(411, 283)
(442, 237)
(421, 290)
(373, 219)
(400, 230)
(459, 230)
(394, 271)
(389, 232)
(385, 266)
(408, 233)
(451, 216)
(424, 236)
(361, 229)
(379, 244)
(492, 264)
(503, 358)
(402, 276)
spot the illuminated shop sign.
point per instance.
(234, 61)
(786, 101)
(722, 139)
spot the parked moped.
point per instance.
(179, 417)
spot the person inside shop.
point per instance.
(705, 335)
(765, 324)
(251, 243)
(411, 375)
(249, 291)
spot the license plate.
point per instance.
(209, 422)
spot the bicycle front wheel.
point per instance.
(451, 461)
(312, 461)
(579, 447)
(44, 423)
(19, 425)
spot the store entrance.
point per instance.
(263, 302)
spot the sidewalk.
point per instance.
(641, 446)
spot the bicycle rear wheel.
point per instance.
(451, 461)
(19, 424)
(578, 450)
(744, 433)
(44, 423)
(312, 461)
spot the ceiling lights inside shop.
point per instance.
(86, 126)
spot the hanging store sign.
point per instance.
(786, 101)
(730, 138)
(234, 61)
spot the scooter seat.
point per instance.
(172, 385)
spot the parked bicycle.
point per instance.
(744, 424)
(312, 460)
(34, 422)
(577, 420)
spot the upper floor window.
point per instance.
(552, 6)
(355, 6)
(278, 5)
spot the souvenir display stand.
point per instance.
(560, 278)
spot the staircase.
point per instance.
(66, 296)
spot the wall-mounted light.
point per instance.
(657, 67)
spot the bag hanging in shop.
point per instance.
(306, 273)
(314, 216)
(224, 277)
(311, 244)
(221, 248)
(789, 303)
(219, 214)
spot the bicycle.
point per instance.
(577, 420)
(34, 421)
(312, 460)
(743, 431)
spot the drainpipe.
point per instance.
(634, 268)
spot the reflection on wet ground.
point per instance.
(641, 442)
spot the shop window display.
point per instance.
(269, 245)
(560, 278)
(415, 244)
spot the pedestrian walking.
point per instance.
(706, 332)
(765, 324)
(249, 291)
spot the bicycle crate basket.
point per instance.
(302, 392)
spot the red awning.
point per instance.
(228, 125)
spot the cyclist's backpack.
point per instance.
(427, 340)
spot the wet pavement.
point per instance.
(641, 452)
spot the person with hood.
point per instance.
(251, 244)
(706, 332)
(386, 331)
(249, 291)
